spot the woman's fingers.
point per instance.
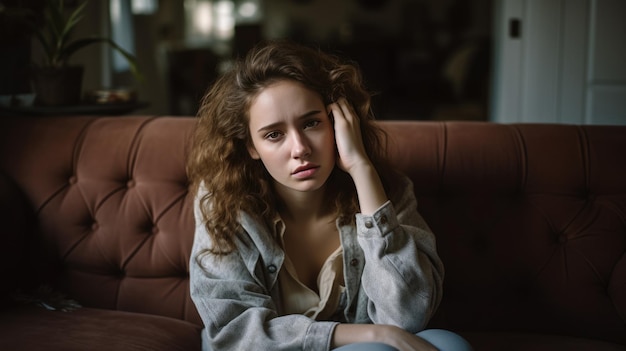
(344, 111)
(347, 135)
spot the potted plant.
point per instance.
(55, 81)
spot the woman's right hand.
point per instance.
(387, 334)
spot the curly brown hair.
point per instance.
(219, 160)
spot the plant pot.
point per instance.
(58, 86)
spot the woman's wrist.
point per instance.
(369, 188)
(399, 338)
(345, 334)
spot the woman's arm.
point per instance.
(232, 296)
(237, 314)
(354, 160)
(403, 274)
(345, 334)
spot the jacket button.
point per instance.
(369, 224)
(271, 268)
(354, 262)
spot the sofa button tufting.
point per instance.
(73, 180)
(94, 226)
(155, 230)
(562, 238)
(130, 183)
(271, 268)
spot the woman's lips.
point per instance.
(305, 171)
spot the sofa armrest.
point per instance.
(15, 234)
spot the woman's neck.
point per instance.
(304, 206)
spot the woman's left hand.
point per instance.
(350, 149)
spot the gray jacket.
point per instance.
(392, 272)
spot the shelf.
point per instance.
(90, 109)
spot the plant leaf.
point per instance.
(71, 22)
(54, 17)
(81, 43)
(44, 43)
(55, 36)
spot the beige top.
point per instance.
(300, 299)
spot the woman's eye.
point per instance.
(311, 124)
(272, 135)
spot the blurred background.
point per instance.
(499, 60)
(420, 57)
(408, 50)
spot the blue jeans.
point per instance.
(442, 339)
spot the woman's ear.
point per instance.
(253, 153)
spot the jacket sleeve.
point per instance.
(237, 309)
(403, 275)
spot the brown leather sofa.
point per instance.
(530, 222)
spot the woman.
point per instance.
(305, 239)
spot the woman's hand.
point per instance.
(402, 340)
(350, 149)
(387, 334)
(353, 158)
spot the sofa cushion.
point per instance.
(35, 328)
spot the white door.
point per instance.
(559, 61)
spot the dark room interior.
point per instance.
(422, 59)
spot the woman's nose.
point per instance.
(299, 146)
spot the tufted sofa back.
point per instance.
(111, 201)
(530, 223)
(530, 219)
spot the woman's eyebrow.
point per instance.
(274, 125)
(309, 114)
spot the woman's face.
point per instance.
(292, 135)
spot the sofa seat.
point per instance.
(36, 328)
(517, 341)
